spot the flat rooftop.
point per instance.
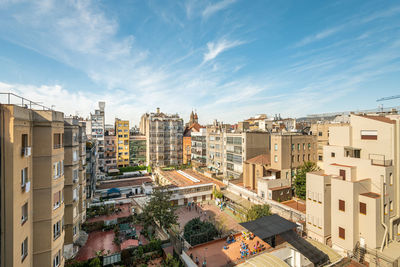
(297, 205)
(371, 195)
(216, 255)
(123, 182)
(125, 212)
(181, 178)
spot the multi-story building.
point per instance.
(72, 218)
(97, 129)
(82, 171)
(215, 146)
(191, 127)
(239, 147)
(321, 130)
(32, 182)
(164, 138)
(137, 149)
(92, 158)
(122, 134)
(199, 148)
(110, 153)
(287, 152)
(354, 201)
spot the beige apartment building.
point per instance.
(215, 146)
(354, 201)
(122, 136)
(287, 152)
(164, 138)
(82, 171)
(321, 130)
(239, 147)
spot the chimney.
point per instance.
(158, 110)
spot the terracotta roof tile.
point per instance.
(263, 159)
(378, 118)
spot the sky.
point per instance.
(226, 59)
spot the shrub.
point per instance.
(94, 226)
(198, 232)
(132, 168)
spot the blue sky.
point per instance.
(228, 59)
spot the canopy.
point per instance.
(237, 199)
(113, 191)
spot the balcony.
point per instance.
(26, 151)
(380, 160)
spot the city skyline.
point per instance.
(227, 59)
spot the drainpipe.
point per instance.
(395, 174)
(383, 215)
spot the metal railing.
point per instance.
(13, 99)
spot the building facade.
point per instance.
(163, 138)
(239, 147)
(122, 134)
(215, 146)
(354, 201)
(199, 148)
(110, 153)
(97, 129)
(137, 149)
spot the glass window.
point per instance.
(24, 249)
(276, 147)
(24, 213)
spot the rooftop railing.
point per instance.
(13, 99)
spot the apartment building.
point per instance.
(110, 153)
(321, 130)
(82, 171)
(187, 141)
(287, 151)
(122, 134)
(32, 182)
(137, 149)
(199, 148)
(164, 138)
(239, 147)
(72, 185)
(97, 128)
(354, 201)
(92, 167)
(215, 146)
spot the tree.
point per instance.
(258, 211)
(300, 180)
(217, 194)
(198, 232)
(160, 208)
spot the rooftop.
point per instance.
(123, 182)
(125, 212)
(269, 226)
(341, 165)
(263, 159)
(378, 118)
(371, 195)
(179, 179)
(297, 205)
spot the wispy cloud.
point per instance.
(214, 8)
(318, 36)
(216, 48)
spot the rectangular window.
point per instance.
(56, 230)
(298, 158)
(292, 147)
(57, 259)
(24, 176)
(262, 194)
(308, 157)
(385, 208)
(342, 205)
(320, 158)
(276, 158)
(304, 146)
(56, 200)
(369, 134)
(332, 154)
(342, 233)
(309, 146)
(276, 147)
(319, 133)
(56, 140)
(24, 213)
(342, 173)
(24, 249)
(24, 141)
(298, 147)
(75, 230)
(75, 175)
(363, 208)
(391, 205)
(391, 178)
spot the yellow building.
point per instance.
(122, 133)
(32, 183)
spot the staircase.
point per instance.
(359, 253)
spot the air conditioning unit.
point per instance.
(26, 151)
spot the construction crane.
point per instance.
(388, 98)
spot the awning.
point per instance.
(113, 191)
(269, 226)
(237, 199)
(315, 255)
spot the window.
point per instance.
(75, 230)
(304, 146)
(74, 194)
(75, 155)
(391, 178)
(342, 173)
(292, 147)
(332, 154)
(308, 157)
(391, 205)
(56, 200)
(262, 194)
(24, 213)
(56, 230)
(363, 208)
(24, 176)
(57, 259)
(75, 175)
(304, 157)
(56, 140)
(276, 147)
(298, 158)
(342, 205)
(342, 233)
(385, 208)
(24, 141)
(320, 158)
(24, 249)
(319, 133)
(276, 158)
(369, 134)
(74, 213)
(298, 147)
(309, 146)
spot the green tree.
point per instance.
(198, 232)
(160, 208)
(95, 262)
(300, 180)
(217, 194)
(258, 211)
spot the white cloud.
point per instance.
(319, 36)
(214, 8)
(215, 48)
